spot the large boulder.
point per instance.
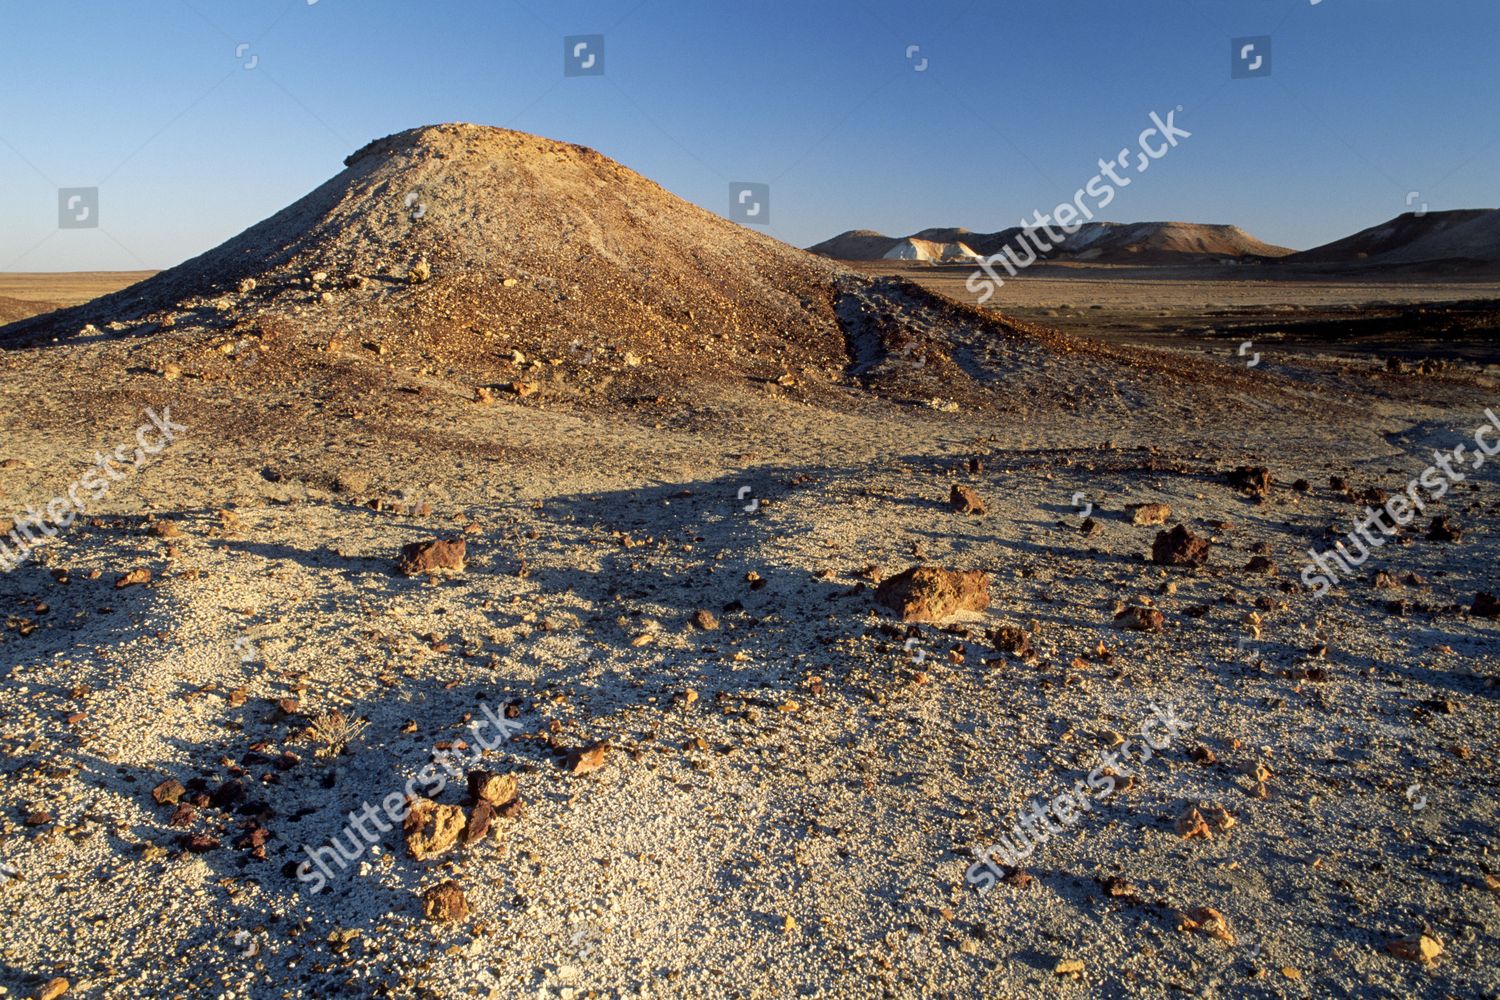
(932, 593)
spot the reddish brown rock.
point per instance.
(1485, 606)
(445, 902)
(1252, 479)
(1011, 639)
(496, 789)
(431, 558)
(1139, 619)
(432, 829)
(964, 500)
(478, 824)
(168, 792)
(932, 593)
(134, 578)
(1261, 564)
(1179, 547)
(586, 760)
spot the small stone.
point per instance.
(705, 620)
(496, 789)
(1485, 606)
(1139, 619)
(135, 577)
(431, 829)
(168, 792)
(1444, 529)
(1068, 967)
(1261, 564)
(1011, 639)
(1417, 948)
(964, 500)
(420, 272)
(1150, 513)
(445, 902)
(1254, 480)
(165, 529)
(587, 760)
(55, 988)
(1179, 547)
(1206, 920)
(433, 558)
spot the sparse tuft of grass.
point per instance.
(335, 732)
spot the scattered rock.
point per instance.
(1149, 513)
(1090, 527)
(1444, 529)
(1261, 564)
(133, 578)
(431, 829)
(1384, 580)
(1485, 606)
(1068, 967)
(705, 620)
(433, 558)
(586, 760)
(1206, 920)
(168, 792)
(445, 902)
(496, 789)
(478, 824)
(1204, 820)
(932, 593)
(1254, 480)
(1011, 639)
(420, 272)
(54, 988)
(1179, 547)
(1417, 948)
(1139, 619)
(165, 529)
(964, 500)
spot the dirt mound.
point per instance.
(521, 265)
(1468, 237)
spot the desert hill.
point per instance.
(929, 245)
(1463, 237)
(520, 264)
(1100, 242)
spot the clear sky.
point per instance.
(1006, 107)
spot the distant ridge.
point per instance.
(1460, 238)
(1099, 242)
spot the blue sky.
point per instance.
(1367, 101)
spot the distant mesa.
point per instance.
(1464, 239)
(1097, 242)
